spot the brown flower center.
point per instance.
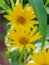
(21, 20)
(24, 40)
(44, 64)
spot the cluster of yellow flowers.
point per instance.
(21, 20)
(20, 34)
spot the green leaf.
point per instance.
(47, 37)
(47, 2)
(4, 5)
(12, 4)
(2, 11)
(41, 14)
(14, 63)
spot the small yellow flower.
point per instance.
(20, 38)
(21, 17)
(42, 58)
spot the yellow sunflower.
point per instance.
(20, 38)
(42, 58)
(21, 17)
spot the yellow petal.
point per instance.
(8, 17)
(31, 46)
(26, 7)
(33, 31)
(10, 42)
(10, 12)
(15, 45)
(20, 47)
(28, 49)
(10, 23)
(31, 10)
(11, 35)
(34, 22)
(35, 57)
(35, 37)
(18, 8)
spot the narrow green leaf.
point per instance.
(4, 5)
(47, 2)
(12, 4)
(47, 37)
(41, 14)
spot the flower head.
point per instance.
(42, 58)
(21, 17)
(21, 38)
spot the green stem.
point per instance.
(20, 63)
(25, 55)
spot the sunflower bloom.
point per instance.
(42, 58)
(20, 38)
(21, 17)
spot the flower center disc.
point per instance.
(44, 64)
(21, 20)
(24, 40)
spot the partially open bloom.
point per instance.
(21, 38)
(42, 58)
(21, 17)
